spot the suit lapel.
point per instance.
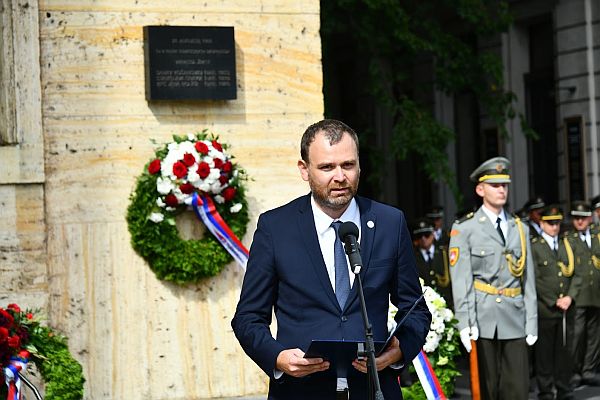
(368, 225)
(306, 223)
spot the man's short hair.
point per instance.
(333, 131)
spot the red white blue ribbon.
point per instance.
(205, 209)
(427, 377)
(11, 377)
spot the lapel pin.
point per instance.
(370, 224)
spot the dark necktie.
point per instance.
(342, 278)
(500, 230)
(429, 258)
(555, 246)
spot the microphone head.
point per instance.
(348, 228)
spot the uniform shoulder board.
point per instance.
(465, 217)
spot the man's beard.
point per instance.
(323, 199)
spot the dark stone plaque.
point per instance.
(189, 63)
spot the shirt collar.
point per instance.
(549, 239)
(323, 221)
(492, 215)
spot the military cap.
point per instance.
(494, 170)
(595, 202)
(435, 212)
(535, 203)
(580, 209)
(552, 213)
(422, 225)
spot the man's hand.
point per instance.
(293, 363)
(391, 355)
(564, 303)
(467, 334)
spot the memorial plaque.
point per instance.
(575, 159)
(189, 63)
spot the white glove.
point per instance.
(468, 333)
(530, 339)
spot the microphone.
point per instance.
(349, 235)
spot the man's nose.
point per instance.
(339, 174)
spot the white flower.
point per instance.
(160, 202)
(235, 208)
(156, 217)
(191, 136)
(219, 199)
(164, 186)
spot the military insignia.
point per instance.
(454, 232)
(453, 256)
(499, 167)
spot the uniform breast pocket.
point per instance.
(481, 256)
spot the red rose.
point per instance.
(171, 200)
(203, 170)
(223, 179)
(218, 162)
(3, 334)
(201, 148)
(186, 188)
(14, 307)
(14, 341)
(227, 167)
(29, 316)
(154, 166)
(217, 145)
(229, 193)
(6, 319)
(179, 169)
(188, 159)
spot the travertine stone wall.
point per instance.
(138, 337)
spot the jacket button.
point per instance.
(344, 318)
(498, 300)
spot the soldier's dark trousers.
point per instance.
(553, 359)
(503, 369)
(586, 343)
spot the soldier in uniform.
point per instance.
(534, 207)
(493, 286)
(436, 216)
(432, 260)
(586, 340)
(556, 290)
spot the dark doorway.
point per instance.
(541, 112)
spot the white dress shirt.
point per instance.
(492, 216)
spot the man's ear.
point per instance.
(479, 189)
(303, 167)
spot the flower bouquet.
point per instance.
(441, 345)
(24, 339)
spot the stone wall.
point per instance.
(65, 239)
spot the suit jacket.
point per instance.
(436, 274)
(550, 282)
(477, 253)
(589, 294)
(286, 273)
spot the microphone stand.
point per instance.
(373, 377)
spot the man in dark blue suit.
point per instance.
(293, 269)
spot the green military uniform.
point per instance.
(433, 265)
(493, 285)
(586, 343)
(554, 279)
(535, 204)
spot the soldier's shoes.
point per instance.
(591, 380)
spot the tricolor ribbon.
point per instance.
(11, 375)
(427, 377)
(205, 209)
